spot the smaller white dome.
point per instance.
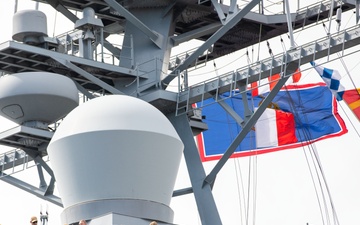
(37, 96)
(28, 25)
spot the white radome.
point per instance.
(118, 147)
(37, 96)
(29, 25)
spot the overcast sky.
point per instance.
(281, 186)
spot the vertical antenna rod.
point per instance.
(288, 19)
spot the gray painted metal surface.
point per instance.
(143, 72)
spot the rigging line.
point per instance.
(254, 157)
(326, 186)
(247, 197)
(251, 196)
(271, 12)
(319, 168)
(321, 179)
(236, 172)
(247, 54)
(252, 89)
(313, 181)
(269, 48)
(254, 187)
(345, 67)
(346, 25)
(313, 154)
(282, 44)
(248, 194)
(251, 172)
(252, 54)
(273, 3)
(248, 58)
(215, 69)
(312, 176)
(241, 198)
(55, 21)
(260, 30)
(306, 134)
(329, 195)
(207, 73)
(251, 187)
(322, 207)
(247, 205)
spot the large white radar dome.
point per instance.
(115, 112)
(116, 153)
(37, 96)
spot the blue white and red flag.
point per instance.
(313, 114)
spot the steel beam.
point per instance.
(57, 5)
(203, 195)
(31, 189)
(215, 37)
(155, 37)
(89, 76)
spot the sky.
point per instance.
(279, 186)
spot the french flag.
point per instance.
(275, 128)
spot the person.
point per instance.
(153, 223)
(33, 220)
(82, 222)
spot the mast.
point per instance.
(144, 70)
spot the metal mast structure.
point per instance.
(151, 28)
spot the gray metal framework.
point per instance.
(155, 27)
